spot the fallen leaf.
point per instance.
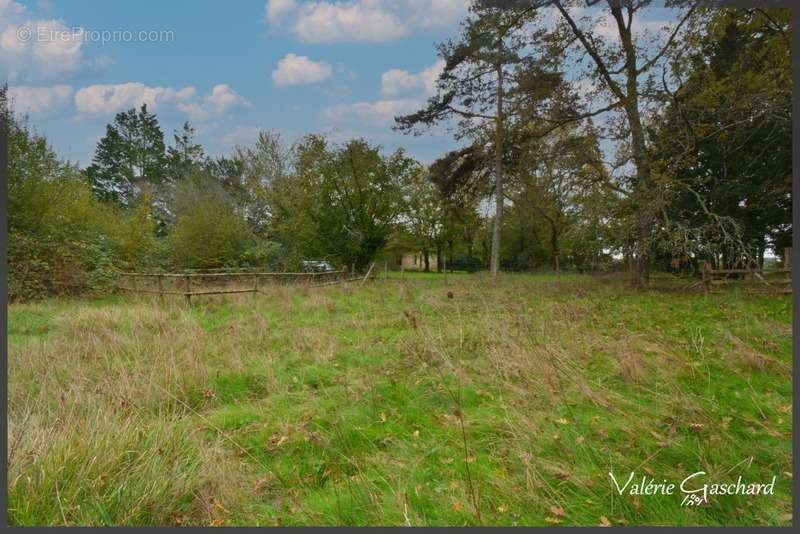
(562, 421)
(502, 508)
(218, 522)
(696, 427)
(557, 511)
(552, 520)
(604, 522)
(457, 506)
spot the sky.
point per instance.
(231, 68)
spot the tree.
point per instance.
(554, 174)
(342, 203)
(208, 232)
(129, 158)
(59, 233)
(424, 215)
(476, 87)
(260, 166)
(186, 156)
(723, 141)
(460, 179)
(621, 70)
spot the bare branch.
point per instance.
(669, 42)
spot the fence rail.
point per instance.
(181, 283)
(768, 280)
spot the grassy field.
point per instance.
(403, 402)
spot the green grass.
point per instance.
(395, 404)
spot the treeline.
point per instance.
(700, 166)
(593, 132)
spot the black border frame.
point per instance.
(793, 5)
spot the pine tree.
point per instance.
(130, 158)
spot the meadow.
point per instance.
(420, 400)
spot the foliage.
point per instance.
(54, 246)
(341, 203)
(130, 158)
(723, 143)
(208, 233)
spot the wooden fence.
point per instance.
(757, 280)
(227, 282)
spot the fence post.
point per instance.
(255, 283)
(161, 286)
(188, 290)
(706, 276)
(366, 276)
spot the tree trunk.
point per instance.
(644, 216)
(450, 254)
(498, 178)
(554, 246)
(438, 258)
(427, 260)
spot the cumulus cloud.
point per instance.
(300, 70)
(221, 99)
(35, 48)
(328, 21)
(395, 82)
(110, 98)
(379, 114)
(278, 10)
(36, 99)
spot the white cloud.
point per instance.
(395, 82)
(221, 99)
(110, 98)
(328, 21)
(277, 10)
(378, 114)
(300, 70)
(32, 99)
(9, 7)
(34, 48)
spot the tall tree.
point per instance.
(622, 61)
(129, 158)
(477, 87)
(724, 137)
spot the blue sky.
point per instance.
(219, 67)
(231, 68)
